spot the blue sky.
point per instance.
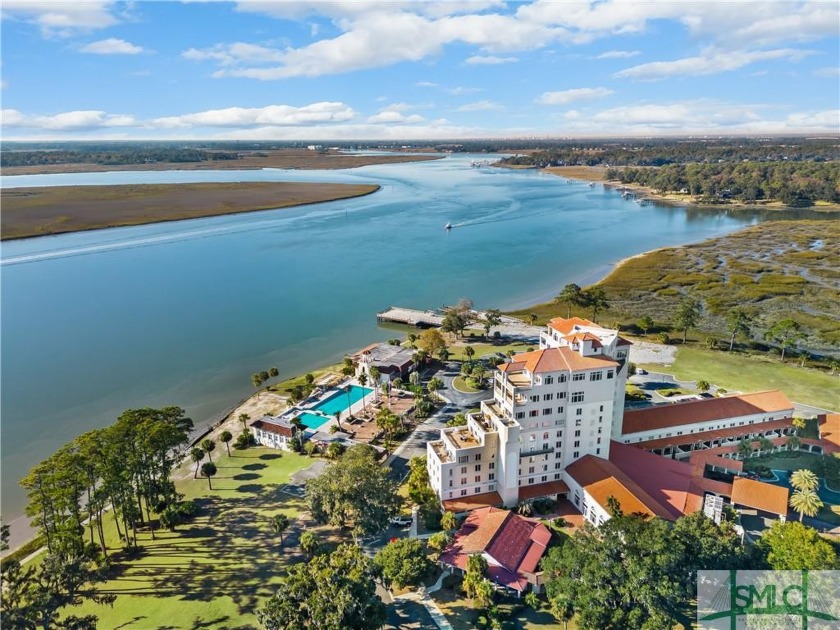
(415, 70)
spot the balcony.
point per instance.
(462, 438)
(496, 412)
(540, 451)
(441, 452)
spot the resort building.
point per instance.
(550, 407)
(273, 432)
(676, 430)
(512, 546)
(392, 361)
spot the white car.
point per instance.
(401, 521)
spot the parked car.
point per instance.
(641, 372)
(401, 521)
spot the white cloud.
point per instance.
(427, 84)
(710, 61)
(461, 90)
(395, 113)
(232, 54)
(274, 115)
(480, 106)
(565, 97)
(619, 54)
(489, 60)
(830, 72)
(88, 119)
(111, 46)
(61, 19)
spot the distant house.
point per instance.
(512, 546)
(273, 432)
(392, 361)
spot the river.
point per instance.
(183, 313)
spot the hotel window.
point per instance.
(577, 433)
(463, 469)
(561, 378)
(609, 373)
(559, 409)
(491, 476)
(558, 444)
(577, 397)
(478, 478)
(463, 481)
(477, 467)
(535, 398)
(520, 415)
(578, 412)
(491, 465)
(602, 408)
(558, 465)
(491, 487)
(576, 454)
(450, 483)
(531, 469)
(598, 451)
(547, 411)
(596, 376)
(463, 459)
(534, 413)
(548, 380)
(558, 454)
(577, 444)
(579, 376)
(599, 440)
(548, 396)
(463, 493)
(557, 475)
(531, 480)
(561, 395)
(544, 478)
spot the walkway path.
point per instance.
(421, 596)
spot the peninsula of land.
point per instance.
(302, 159)
(29, 212)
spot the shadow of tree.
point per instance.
(270, 456)
(246, 476)
(256, 466)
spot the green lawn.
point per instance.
(216, 571)
(738, 371)
(462, 386)
(483, 348)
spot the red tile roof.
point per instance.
(760, 495)
(472, 502)
(667, 481)
(603, 479)
(695, 411)
(514, 545)
(566, 326)
(558, 359)
(705, 436)
(829, 425)
(286, 430)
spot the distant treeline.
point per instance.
(660, 153)
(792, 183)
(117, 155)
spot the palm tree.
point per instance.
(444, 354)
(805, 480)
(532, 318)
(363, 379)
(243, 418)
(208, 469)
(807, 503)
(799, 424)
(414, 378)
(562, 608)
(435, 384)
(279, 524)
(226, 437)
(375, 374)
(449, 521)
(483, 594)
(347, 390)
(703, 386)
(197, 455)
(337, 415)
(469, 352)
(209, 446)
(745, 448)
(794, 443)
(765, 444)
(309, 544)
(411, 339)
(571, 295)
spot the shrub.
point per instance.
(244, 440)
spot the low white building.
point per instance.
(274, 432)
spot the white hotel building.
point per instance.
(550, 407)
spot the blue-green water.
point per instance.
(342, 400)
(829, 497)
(183, 313)
(312, 420)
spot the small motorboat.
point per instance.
(448, 226)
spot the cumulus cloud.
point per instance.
(427, 84)
(111, 46)
(395, 114)
(232, 54)
(565, 97)
(83, 119)
(461, 90)
(61, 19)
(480, 106)
(830, 72)
(618, 54)
(275, 115)
(477, 60)
(710, 61)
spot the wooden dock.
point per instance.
(411, 317)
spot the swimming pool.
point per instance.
(828, 496)
(311, 420)
(341, 400)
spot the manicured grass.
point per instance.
(460, 383)
(217, 570)
(737, 371)
(286, 387)
(795, 461)
(484, 348)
